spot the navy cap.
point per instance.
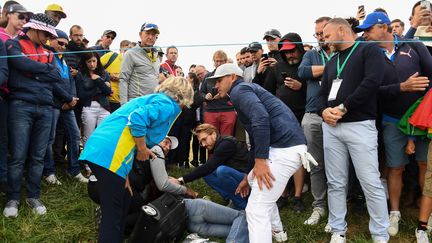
(373, 19)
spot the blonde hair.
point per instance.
(177, 88)
(206, 128)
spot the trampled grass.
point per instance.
(70, 218)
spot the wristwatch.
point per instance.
(181, 181)
(342, 108)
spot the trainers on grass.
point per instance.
(81, 178)
(280, 236)
(37, 206)
(315, 216)
(421, 236)
(11, 209)
(394, 219)
(52, 179)
(337, 238)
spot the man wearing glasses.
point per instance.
(106, 40)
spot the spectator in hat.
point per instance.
(65, 99)
(31, 80)
(6, 6)
(272, 38)
(55, 12)
(12, 23)
(111, 62)
(139, 73)
(255, 49)
(106, 40)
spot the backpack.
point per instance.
(161, 221)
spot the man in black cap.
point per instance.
(272, 38)
(106, 40)
(256, 51)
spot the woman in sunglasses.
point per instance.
(12, 23)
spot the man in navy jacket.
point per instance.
(277, 143)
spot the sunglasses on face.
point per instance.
(61, 43)
(110, 37)
(23, 17)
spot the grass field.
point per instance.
(70, 218)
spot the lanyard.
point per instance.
(325, 57)
(340, 68)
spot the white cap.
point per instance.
(174, 141)
(226, 69)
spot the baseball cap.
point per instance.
(56, 8)
(149, 26)
(273, 33)
(106, 32)
(254, 46)
(17, 8)
(61, 34)
(286, 46)
(373, 19)
(226, 69)
(174, 141)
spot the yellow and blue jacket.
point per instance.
(112, 145)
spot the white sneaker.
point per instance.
(81, 178)
(37, 206)
(421, 236)
(315, 216)
(429, 224)
(327, 228)
(280, 236)
(11, 209)
(337, 238)
(394, 219)
(380, 241)
(52, 179)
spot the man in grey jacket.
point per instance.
(139, 72)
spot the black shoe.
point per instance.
(282, 202)
(298, 205)
(195, 163)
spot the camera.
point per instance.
(265, 56)
(425, 4)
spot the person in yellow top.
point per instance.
(111, 61)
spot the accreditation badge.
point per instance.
(334, 89)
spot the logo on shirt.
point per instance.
(406, 53)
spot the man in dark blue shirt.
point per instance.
(277, 144)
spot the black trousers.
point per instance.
(114, 201)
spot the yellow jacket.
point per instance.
(113, 69)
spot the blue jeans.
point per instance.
(72, 140)
(210, 219)
(225, 180)
(29, 129)
(358, 140)
(3, 139)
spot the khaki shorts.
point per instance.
(427, 189)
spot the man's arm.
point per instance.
(126, 70)
(22, 62)
(307, 70)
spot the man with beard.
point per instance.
(311, 69)
(282, 81)
(75, 46)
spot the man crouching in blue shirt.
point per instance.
(277, 144)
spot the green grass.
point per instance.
(70, 218)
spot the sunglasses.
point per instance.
(61, 43)
(110, 37)
(23, 16)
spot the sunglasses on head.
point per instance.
(23, 16)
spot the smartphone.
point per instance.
(284, 75)
(361, 8)
(426, 5)
(265, 56)
(214, 91)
